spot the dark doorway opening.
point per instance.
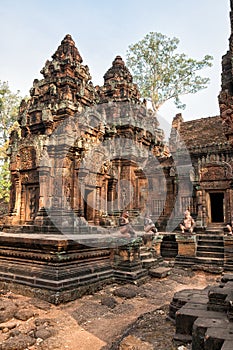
(169, 247)
(216, 202)
(88, 207)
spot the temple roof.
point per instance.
(67, 48)
(118, 84)
(118, 71)
(202, 132)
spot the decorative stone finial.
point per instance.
(118, 71)
(67, 49)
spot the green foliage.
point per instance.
(5, 181)
(9, 104)
(161, 73)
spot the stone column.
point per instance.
(17, 195)
(204, 215)
(22, 204)
(105, 198)
(199, 220)
(81, 174)
(76, 186)
(97, 207)
(44, 199)
(15, 200)
(81, 191)
(230, 208)
(75, 198)
(44, 186)
(111, 194)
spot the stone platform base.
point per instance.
(61, 268)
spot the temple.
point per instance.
(204, 317)
(85, 154)
(82, 148)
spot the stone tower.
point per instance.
(81, 146)
(65, 90)
(226, 94)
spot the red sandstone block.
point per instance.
(160, 272)
(215, 337)
(188, 314)
(227, 345)
(200, 327)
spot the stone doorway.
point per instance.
(217, 207)
(89, 205)
(31, 202)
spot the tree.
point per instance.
(9, 104)
(4, 181)
(161, 73)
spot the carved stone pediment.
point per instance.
(27, 158)
(216, 172)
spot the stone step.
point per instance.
(206, 254)
(216, 224)
(146, 255)
(184, 261)
(169, 254)
(215, 249)
(147, 263)
(210, 243)
(160, 272)
(214, 231)
(210, 237)
(184, 264)
(209, 261)
(228, 267)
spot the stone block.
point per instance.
(188, 314)
(186, 245)
(227, 277)
(227, 345)
(215, 337)
(159, 272)
(200, 327)
(187, 295)
(157, 245)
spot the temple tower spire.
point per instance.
(226, 94)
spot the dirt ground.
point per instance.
(116, 318)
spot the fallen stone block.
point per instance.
(159, 272)
(227, 345)
(200, 327)
(187, 295)
(188, 314)
(215, 337)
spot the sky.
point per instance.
(31, 31)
